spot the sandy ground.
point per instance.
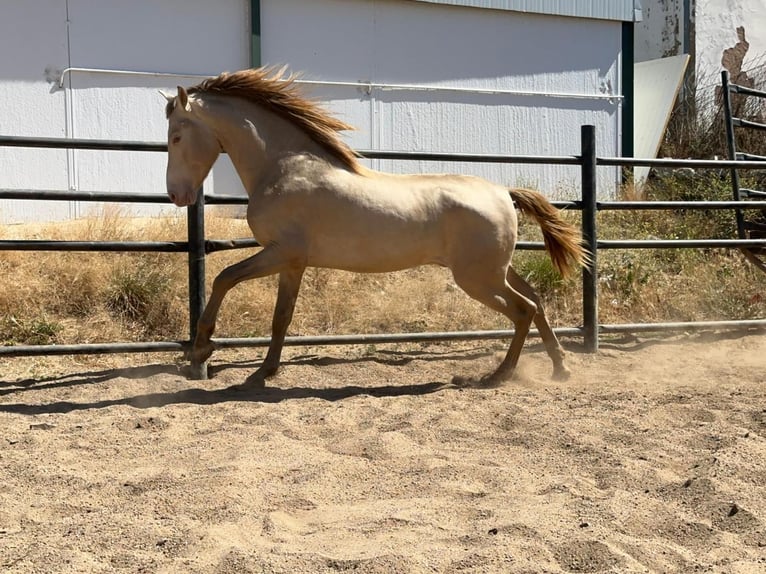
(652, 458)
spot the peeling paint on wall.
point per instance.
(718, 24)
(661, 33)
(733, 59)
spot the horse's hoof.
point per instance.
(258, 379)
(460, 382)
(487, 382)
(561, 373)
(492, 382)
(245, 387)
(200, 353)
(254, 381)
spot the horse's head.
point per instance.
(192, 149)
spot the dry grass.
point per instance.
(63, 298)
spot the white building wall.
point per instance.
(33, 39)
(386, 41)
(42, 38)
(400, 42)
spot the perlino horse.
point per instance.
(312, 204)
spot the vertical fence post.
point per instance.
(590, 271)
(195, 224)
(732, 149)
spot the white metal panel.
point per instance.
(657, 85)
(401, 42)
(32, 40)
(185, 36)
(144, 35)
(46, 37)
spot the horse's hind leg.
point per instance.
(493, 290)
(551, 342)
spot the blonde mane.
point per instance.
(266, 87)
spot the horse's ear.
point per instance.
(183, 98)
(169, 97)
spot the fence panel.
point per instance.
(197, 247)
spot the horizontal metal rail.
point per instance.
(90, 144)
(739, 89)
(212, 199)
(369, 86)
(698, 163)
(740, 324)
(469, 157)
(678, 243)
(93, 348)
(116, 145)
(361, 84)
(213, 246)
(110, 72)
(740, 123)
(750, 156)
(369, 339)
(110, 196)
(673, 205)
(110, 246)
(73, 195)
(95, 144)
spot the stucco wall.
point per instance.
(716, 31)
(718, 26)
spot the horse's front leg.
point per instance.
(269, 261)
(289, 285)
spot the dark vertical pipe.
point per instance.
(590, 272)
(732, 148)
(196, 233)
(628, 92)
(255, 33)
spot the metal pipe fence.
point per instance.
(197, 246)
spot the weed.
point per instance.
(34, 331)
(537, 269)
(140, 292)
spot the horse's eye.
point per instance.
(175, 139)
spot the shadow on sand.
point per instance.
(271, 394)
(201, 396)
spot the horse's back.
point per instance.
(381, 222)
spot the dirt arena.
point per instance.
(652, 458)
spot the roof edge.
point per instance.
(619, 10)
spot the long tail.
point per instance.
(562, 239)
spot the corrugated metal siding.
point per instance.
(407, 42)
(623, 10)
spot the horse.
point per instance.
(311, 203)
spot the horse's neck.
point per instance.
(256, 138)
